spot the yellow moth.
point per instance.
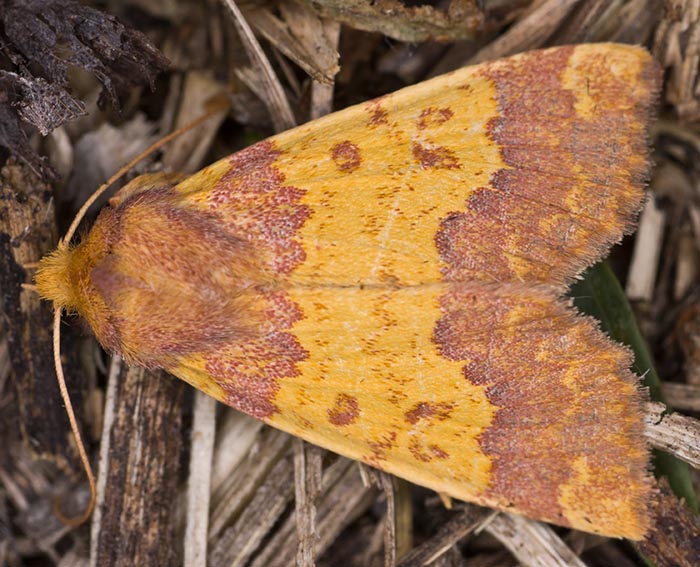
(387, 282)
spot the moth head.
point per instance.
(64, 277)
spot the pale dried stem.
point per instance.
(199, 481)
(270, 91)
(674, 433)
(532, 543)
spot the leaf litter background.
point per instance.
(85, 87)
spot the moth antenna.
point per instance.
(215, 107)
(73, 522)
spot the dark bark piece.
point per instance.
(40, 40)
(15, 139)
(673, 539)
(142, 458)
(27, 232)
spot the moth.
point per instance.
(387, 282)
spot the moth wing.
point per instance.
(525, 169)
(499, 395)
